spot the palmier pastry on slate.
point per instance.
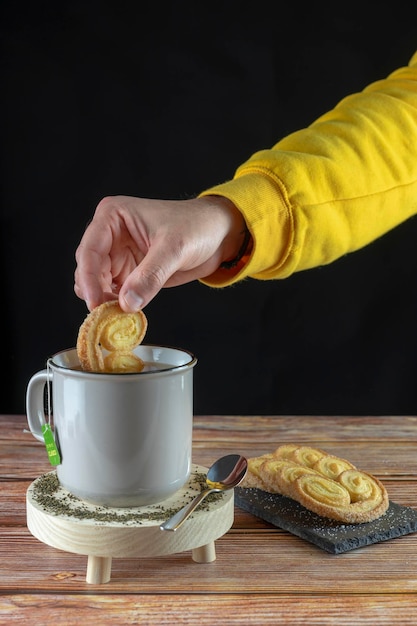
(107, 338)
(323, 483)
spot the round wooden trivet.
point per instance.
(61, 520)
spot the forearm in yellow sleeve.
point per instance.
(331, 188)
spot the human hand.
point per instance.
(133, 247)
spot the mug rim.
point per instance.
(191, 363)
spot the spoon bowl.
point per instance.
(225, 473)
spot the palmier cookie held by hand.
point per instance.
(108, 327)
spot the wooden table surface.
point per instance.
(262, 574)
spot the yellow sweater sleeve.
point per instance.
(333, 187)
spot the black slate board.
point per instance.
(325, 533)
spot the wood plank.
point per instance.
(206, 609)
(304, 428)
(13, 499)
(281, 563)
(12, 427)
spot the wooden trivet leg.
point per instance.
(98, 569)
(204, 554)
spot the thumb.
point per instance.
(145, 282)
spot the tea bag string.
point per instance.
(48, 436)
(48, 390)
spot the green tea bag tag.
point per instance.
(50, 444)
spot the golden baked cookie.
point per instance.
(332, 466)
(288, 474)
(107, 338)
(320, 494)
(269, 470)
(306, 455)
(285, 451)
(253, 478)
(323, 483)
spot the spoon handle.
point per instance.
(178, 518)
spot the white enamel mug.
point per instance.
(123, 439)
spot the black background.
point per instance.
(103, 98)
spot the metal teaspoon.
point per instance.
(225, 473)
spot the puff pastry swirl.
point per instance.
(323, 483)
(107, 338)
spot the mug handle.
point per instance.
(35, 409)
